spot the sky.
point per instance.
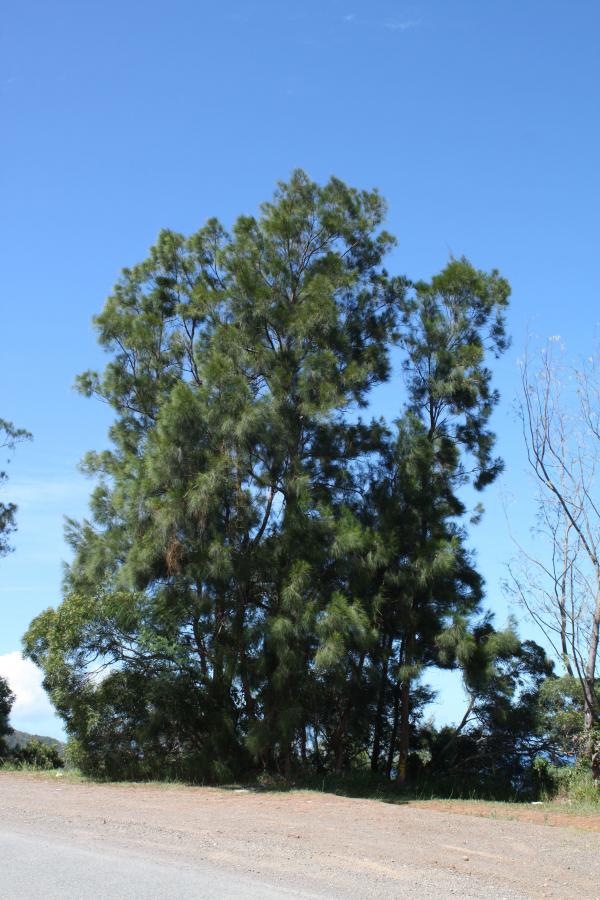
(478, 121)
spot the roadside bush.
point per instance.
(577, 784)
(37, 755)
(545, 779)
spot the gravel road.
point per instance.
(69, 840)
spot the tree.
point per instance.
(493, 750)
(7, 698)
(9, 438)
(559, 580)
(201, 575)
(443, 443)
(264, 575)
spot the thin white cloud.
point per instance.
(33, 590)
(32, 710)
(45, 492)
(398, 25)
(42, 504)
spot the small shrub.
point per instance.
(545, 779)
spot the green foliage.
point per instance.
(523, 739)
(562, 709)
(574, 783)
(7, 698)
(32, 754)
(264, 577)
(442, 442)
(36, 755)
(493, 752)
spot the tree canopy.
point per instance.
(266, 573)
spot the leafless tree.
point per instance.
(558, 580)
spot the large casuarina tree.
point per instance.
(451, 326)
(257, 555)
(441, 443)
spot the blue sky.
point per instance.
(478, 121)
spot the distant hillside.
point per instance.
(21, 738)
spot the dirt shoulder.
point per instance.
(554, 815)
(319, 845)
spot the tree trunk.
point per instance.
(338, 740)
(589, 698)
(376, 752)
(287, 764)
(303, 744)
(404, 730)
(405, 713)
(392, 746)
(316, 747)
(562, 605)
(396, 719)
(200, 646)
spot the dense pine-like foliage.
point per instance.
(266, 574)
(7, 698)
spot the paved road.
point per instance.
(37, 865)
(53, 869)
